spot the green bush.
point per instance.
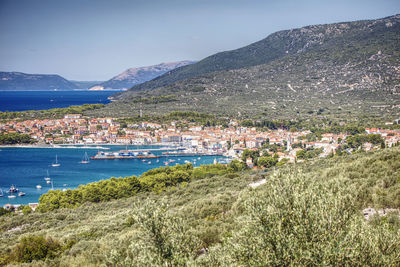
(4, 211)
(15, 138)
(32, 248)
(26, 210)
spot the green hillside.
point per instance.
(273, 47)
(342, 70)
(305, 214)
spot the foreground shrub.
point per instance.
(32, 248)
(299, 221)
(162, 239)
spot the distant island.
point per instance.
(18, 81)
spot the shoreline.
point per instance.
(80, 146)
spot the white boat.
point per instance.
(47, 178)
(85, 159)
(13, 189)
(55, 164)
(39, 186)
(198, 158)
(11, 196)
(48, 181)
(21, 194)
(149, 162)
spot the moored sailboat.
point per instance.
(85, 159)
(47, 178)
(55, 164)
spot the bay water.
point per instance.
(26, 168)
(35, 100)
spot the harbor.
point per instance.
(147, 154)
(36, 175)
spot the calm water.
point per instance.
(29, 100)
(26, 167)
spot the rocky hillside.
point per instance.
(334, 70)
(134, 76)
(14, 81)
(277, 45)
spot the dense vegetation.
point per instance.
(183, 118)
(15, 138)
(305, 214)
(55, 113)
(156, 180)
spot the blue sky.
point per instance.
(97, 39)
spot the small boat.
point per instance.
(48, 181)
(158, 160)
(39, 186)
(198, 158)
(186, 161)
(11, 196)
(143, 160)
(55, 164)
(149, 162)
(64, 184)
(171, 160)
(13, 189)
(21, 194)
(85, 159)
(166, 162)
(47, 178)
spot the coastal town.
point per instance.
(229, 141)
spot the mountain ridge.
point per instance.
(19, 81)
(274, 46)
(133, 76)
(354, 71)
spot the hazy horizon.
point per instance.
(96, 40)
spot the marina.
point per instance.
(146, 154)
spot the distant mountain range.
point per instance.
(134, 76)
(339, 70)
(18, 81)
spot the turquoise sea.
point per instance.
(26, 167)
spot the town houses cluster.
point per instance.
(231, 141)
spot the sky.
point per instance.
(94, 40)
